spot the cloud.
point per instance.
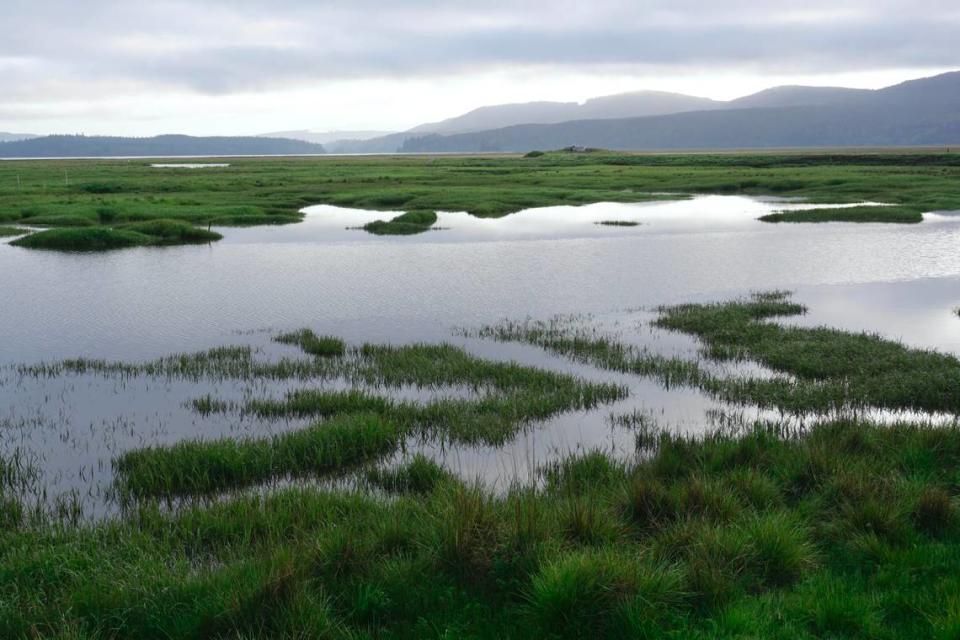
(222, 47)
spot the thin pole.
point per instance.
(19, 186)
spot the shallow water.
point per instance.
(190, 165)
(899, 280)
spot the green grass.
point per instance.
(136, 234)
(172, 231)
(840, 529)
(195, 467)
(847, 530)
(323, 346)
(872, 370)
(405, 224)
(829, 370)
(274, 190)
(7, 232)
(900, 215)
(84, 239)
(506, 397)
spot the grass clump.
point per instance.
(172, 231)
(868, 369)
(565, 560)
(138, 234)
(419, 475)
(829, 370)
(409, 223)
(199, 467)
(308, 341)
(84, 239)
(591, 593)
(892, 214)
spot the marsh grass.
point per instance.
(409, 223)
(733, 536)
(896, 215)
(8, 232)
(842, 528)
(824, 370)
(197, 467)
(83, 239)
(323, 346)
(274, 190)
(136, 234)
(172, 231)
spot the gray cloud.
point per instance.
(54, 47)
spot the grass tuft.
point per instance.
(323, 346)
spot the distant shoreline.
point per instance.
(937, 149)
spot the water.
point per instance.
(190, 165)
(899, 280)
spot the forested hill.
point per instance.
(160, 146)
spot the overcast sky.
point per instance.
(142, 67)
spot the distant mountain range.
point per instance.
(918, 112)
(324, 137)
(158, 146)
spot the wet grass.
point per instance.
(405, 224)
(824, 370)
(846, 530)
(504, 398)
(8, 232)
(197, 468)
(140, 234)
(872, 370)
(897, 215)
(322, 346)
(840, 529)
(172, 232)
(83, 239)
(255, 191)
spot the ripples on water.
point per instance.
(899, 280)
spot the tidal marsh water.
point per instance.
(902, 281)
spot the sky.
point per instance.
(237, 67)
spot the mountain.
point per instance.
(13, 137)
(795, 96)
(918, 112)
(325, 137)
(159, 146)
(385, 144)
(624, 105)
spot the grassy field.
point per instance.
(840, 529)
(93, 195)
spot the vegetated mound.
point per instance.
(173, 231)
(83, 239)
(138, 234)
(405, 224)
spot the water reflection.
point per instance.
(901, 281)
